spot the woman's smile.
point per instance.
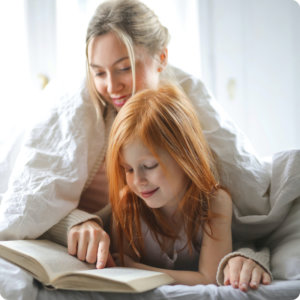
(120, 101)
(111, 69)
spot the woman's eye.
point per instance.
(125, 69)
(129, 171)
(100, 74)
(151, 167)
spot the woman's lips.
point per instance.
(120, 101)
(148, 193)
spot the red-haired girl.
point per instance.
(169, 212)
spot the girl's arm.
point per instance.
(212, 249)
(216, 246)
(85, 236)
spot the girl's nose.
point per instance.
(139, 178)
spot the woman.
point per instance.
(62, 158)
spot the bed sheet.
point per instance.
(17, 284)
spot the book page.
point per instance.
(67, 272)
(119, 279)
(121, 274)
(53, 257)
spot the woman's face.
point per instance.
(111, 70)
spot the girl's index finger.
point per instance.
(102, 254)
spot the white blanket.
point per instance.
(16, 284)
(283, 216)
(47, 175)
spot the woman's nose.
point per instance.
(113, 84)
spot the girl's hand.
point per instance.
(243, 272)
(90, 243)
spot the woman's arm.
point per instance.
(53, 164)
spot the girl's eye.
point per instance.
(128, 171)
(151, 167)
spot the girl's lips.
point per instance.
(120, 101)
(149, 193)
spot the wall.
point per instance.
(182, 20)
(246, 52)
(251, 62)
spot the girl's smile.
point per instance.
(148, 193)
(149, 180)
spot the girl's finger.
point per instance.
(256, 277)
(226, 275)
(72, 242)
(102, 253)
(82, 246)
(246, 274)
(266, 279)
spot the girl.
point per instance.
(171, 214)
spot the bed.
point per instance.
(284, 243)
(23, 287)
(267, 205)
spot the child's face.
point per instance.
(149, 181)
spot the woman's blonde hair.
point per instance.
(165, 119)
(135, 24)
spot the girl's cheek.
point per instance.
(129, 181)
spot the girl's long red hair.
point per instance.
(163, 118)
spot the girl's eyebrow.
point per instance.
(123, 164)
(116, 62)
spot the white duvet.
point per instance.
(16, 284)
(47, 167)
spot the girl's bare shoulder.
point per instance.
(221, 202)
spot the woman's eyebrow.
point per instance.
(116, 62)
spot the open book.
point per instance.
(51, 264)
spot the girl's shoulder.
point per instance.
(221, 202)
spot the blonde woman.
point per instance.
(61, 163)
